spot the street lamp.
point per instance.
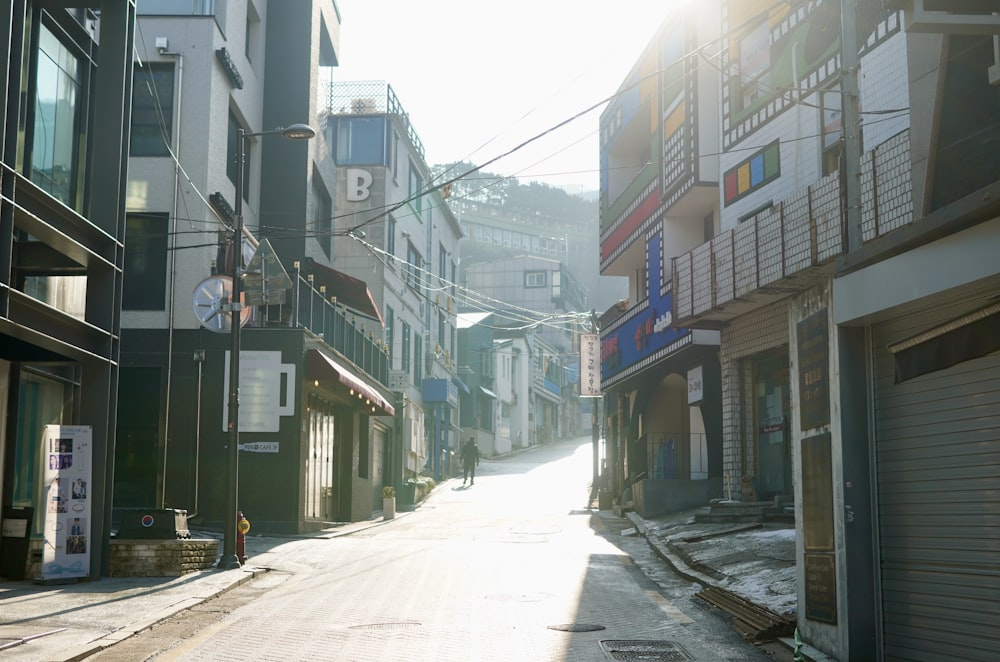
(229, 559)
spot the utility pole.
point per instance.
(851, 171)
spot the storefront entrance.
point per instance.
(771, 418)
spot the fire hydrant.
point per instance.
(242, 528)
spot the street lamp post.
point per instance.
(229, 559)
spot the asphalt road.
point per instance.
(512, 568)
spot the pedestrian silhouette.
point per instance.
(470, 460)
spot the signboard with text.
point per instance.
(67, 456)
(590, 365)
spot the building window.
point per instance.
(440, 325)
(152, 110)
(56, 135)
(418, 360)
(145, 277)
(390, 329)
(390, 238)
(394, 157)
(416, 189)
(252, 45)
(360, 141)
(534, 279)
(414, 264)
(556, 284)
(405, 346)
(232, 163)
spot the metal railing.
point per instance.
(788, 247)
(310, 308)
(370, 97)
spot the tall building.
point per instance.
(311, 387)
(659, 199)
(65, 117)
(854, 284)
(402, 239)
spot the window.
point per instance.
(556, 284)
(152, 110)
(145, 277)
(418, 360)
(442, 263)
(390, 328)
(323, 225)
(405, 358)
(534, 279)
(233, 163)
(390, 237)
(360, 141)
(252, 44)
(440, 325)
(414, 263)
(394, 157)
(416, 189)
(506, 238)
(55, 154)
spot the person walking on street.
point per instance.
(470, 460)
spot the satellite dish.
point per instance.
(208, 299)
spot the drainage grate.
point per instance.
(576, 627)
(631, 649)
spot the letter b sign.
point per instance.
(358, 184)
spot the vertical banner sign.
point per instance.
(66, 454)
(590, 365)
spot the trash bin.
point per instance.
(15, 529)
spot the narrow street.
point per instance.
(511, 568)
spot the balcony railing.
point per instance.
(309, 308)
(790, 246)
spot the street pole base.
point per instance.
(231, 562)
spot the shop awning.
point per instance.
(460, 384)
(488, 393)
(323, 364)
(350, 291)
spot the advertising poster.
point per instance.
(66, 456)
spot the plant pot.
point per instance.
(388, 507)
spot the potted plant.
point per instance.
(388, 502)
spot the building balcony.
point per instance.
(790, 246)
(317, 311)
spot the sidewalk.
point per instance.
(68, 622)
(754, 560)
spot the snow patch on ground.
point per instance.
(774, 589)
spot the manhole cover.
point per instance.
(576, 627)
(535, 530)
(398, 625)
(660, 651)
(518, 597)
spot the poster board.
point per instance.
(67, 452)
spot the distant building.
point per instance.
(403, 241)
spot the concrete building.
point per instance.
(314, 414)
(397, 232)
(856, 378)
(659, 198)
(64, 120)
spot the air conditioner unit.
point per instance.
(362, 106)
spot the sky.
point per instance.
(479, 78)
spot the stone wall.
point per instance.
(161, 558)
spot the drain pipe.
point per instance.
(161, 47)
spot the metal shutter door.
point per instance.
(938, 473)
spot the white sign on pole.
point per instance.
(67, 455)
(590, 365)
